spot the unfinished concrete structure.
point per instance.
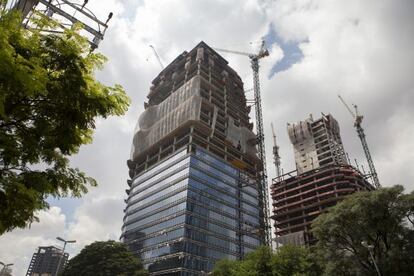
(316, 143)
(322, 178)
(46, 261)
(194, 196)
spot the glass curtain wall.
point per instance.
(189, 211)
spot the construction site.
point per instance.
(198, 188)
(323, 177)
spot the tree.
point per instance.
(49, 101)
(104, 259)
(288, 260)
(295, 260)
(382, 219)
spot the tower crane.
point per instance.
(357, 124)
(254, 62)
(276, 156)
(157, 56)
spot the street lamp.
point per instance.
(370, 248)
(63, 252)
(3, 271)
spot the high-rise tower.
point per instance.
(322, 178)
(194, 193)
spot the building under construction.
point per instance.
(322, 178)
(194, 196)
(47, 261)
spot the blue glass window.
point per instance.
(212, 202)
(208, 157)
(159, 167)
(178, 168)
(211, 214)
(168, 189)
(171, 210)
(204, 189)
(157, 227)
(163, 202)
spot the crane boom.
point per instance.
(347, 107)
(262, 176)
(361, 134)
(233, 52)
(157, 56)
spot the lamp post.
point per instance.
(63, 252)
(3, 271)
(370, 247)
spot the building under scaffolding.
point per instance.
(322, 178)
(194, 194)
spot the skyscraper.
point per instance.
(45, 261)
(321, 179)
(194, 195)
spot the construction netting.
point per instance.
(157, 121)
(184, 105)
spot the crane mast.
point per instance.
(361, 134)
(254, 62)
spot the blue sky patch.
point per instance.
(291, 52)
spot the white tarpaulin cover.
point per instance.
(157, 121)
(241, 136)
(181, 106)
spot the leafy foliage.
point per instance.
(49, 101)
(382, 218)
(288, 260)
(104, 259)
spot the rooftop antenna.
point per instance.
(276, 156)
(254, 62)
(357, 124)
(66, 13)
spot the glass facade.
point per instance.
(189, 211)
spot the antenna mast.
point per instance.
(361, 134)
(276, 156)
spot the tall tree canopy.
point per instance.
(108, 258)
(382, 219)
(289, 260)
(49, 101)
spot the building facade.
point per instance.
(316, 143)
(322, 178)
(194, 197)
(45, 262)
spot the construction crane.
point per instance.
(276, 156)
(254, 62)
(357, 124)
(157, 56)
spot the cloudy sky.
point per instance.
(360, 49)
